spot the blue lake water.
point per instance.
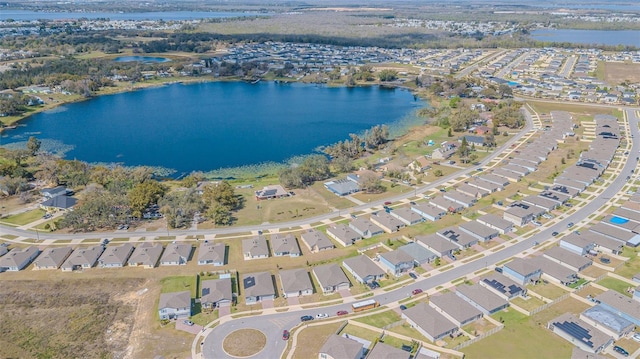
(24, 15)
(596, 37)
(145, 59)
(213, 125)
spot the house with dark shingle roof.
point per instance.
(58, 203)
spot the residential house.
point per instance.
(577, 244)
(458, 237)
(387, 222)
(176, 254)
(386, 351)
(460, 198)
(18, 258)
(626, 307)
(331, 278)
(419, 165)
(446, 205)
(211, 253)
(146, 255)
(174, 305)
(428, 322)
(82, 258)
(115, 256)
(58, 203)
(363, 269)
(397, 262)
(54, 192)
(340, 347)
(602, 243)
(295, 282)
(258, 287)
(492, 221)
(285, 245)
(407, 216)
(216, 293)
(567, 258)
(477, 141)
(486, 186)
(419, 254)
(272, 192)
(554, 271)
(436, 244)
(4, 249)
(503, 286)
(316, 241)
(343, 234)
(255, 248)
(613, 232)
(520, 213)
(579, 333)
(472, 191)
(455, 308)
(479, 230)
(495, 179)
(607, 322)
(343, 187)
(365, 227)
(509, 175)
(521, 270)
(547, 205)
(428, 211)
(481, 298)
(52, 258)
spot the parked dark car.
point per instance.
(570, 225)
(342, 312)
(374, 285)
(498, 269)
(306, 318)
(403, 307)
(413, 275)
(416, 291)
(621, 350)
(555, 234)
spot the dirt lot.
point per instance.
(618, 72)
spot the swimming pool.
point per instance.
(618, 220)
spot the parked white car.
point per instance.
(322, 315)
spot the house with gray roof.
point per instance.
(481, 298)
(429, 322)
(457, 237)
(54, 192)
(579, 333)
(397, 262)
(436, 244)
(365, 227)
(295, 282)
(174, 305)
(543, 203)
(522, 270)
(363, 269)
(343, 234)
(521, 171)
(115, 256)
(18, 258)
(339, 347)
(387, 222)
(577, 243)
(555, 271)
(478, 230)
(567, 258)
(255, 248)
(331, 278)
(559, 198)
(258, 287)
(624, 306)
(445, 204)
(52, 257)
(472, 191)
(176, 254)
(216, 293)
(211, 253)
(342, 187)
(419, 254)
(4, 249)
(455, 308)
(613, 232)
(285, 245)
(82, 258)
(492, 178)
(460, 198)
(602, 243)
(509, 175)
(486, 186)
(407, 216)
(503, 286)
(316, 241)
(146, 255)
(520, 213)
(429, 211)
(492, 221)
(607, 321)
(386, 351)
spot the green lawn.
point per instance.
(379, 320)
(615, 284)
(630, 267)
(548, 290)
(179, 284)
(25, 217)
(529, 304)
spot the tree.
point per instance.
(437, 173)
(179, 207)
(463, 150)
(505, 90)
(342, 164)
(33, 145)
(376, 136)
(222, 194)
(143, 195)
(371, 183)
(388, 75)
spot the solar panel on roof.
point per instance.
(576, 331)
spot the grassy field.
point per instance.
(24, 217)
(313, 339)
(618, 72)
(550, 291)
(522, 336)
(379, 320)
(529, 304)
(179, 284)
(616, 284)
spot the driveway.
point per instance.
(222, 311)
(193, 329)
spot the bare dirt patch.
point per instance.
(618, 72)
(244, 342)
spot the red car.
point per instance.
(417, 291)
(285, 335)
(387, 203)
(342, 312)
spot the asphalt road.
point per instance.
(273, 325)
